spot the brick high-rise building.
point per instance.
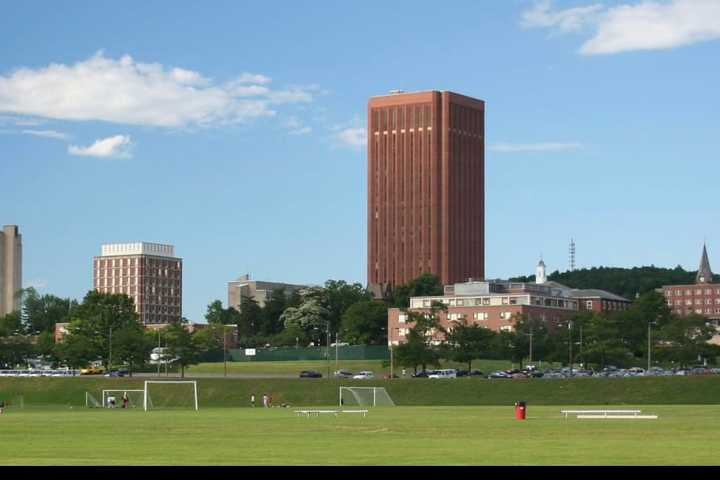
(148, 272)
(426, 187)
(10, 269)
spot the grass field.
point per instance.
(683, 435)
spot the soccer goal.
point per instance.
(365, 397)
(170, 394)
(91, 401)
(114, 398)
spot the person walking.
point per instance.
(125, 400)
(252, 400)
(265, 400)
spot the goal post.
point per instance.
(136, 398)
(148, 403)
(365, 397)
(91, 401)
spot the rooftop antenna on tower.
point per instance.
(572, 254)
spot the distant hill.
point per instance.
(622, 281)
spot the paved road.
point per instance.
(217, 375)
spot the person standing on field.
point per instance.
(265, 400)
(252, 400)
(125, 399)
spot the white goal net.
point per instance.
(123, 398)
(365, 397)
(170, 394)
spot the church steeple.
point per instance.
(540, 276)
(704, 274)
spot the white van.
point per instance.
(447, 373)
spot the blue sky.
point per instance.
(233, 130)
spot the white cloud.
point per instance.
(647, 25)
(128, 92)
(534, 147)
(569, 20)
(296, 127)
(112, 147)
(354, 137)
(46, 134)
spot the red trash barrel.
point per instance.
(520, 410)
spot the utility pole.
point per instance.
(327, 350)
(570, 346)
(225, 349)
(531, 335)
(110, 353)
(336, 350)
(158, 354)
(649, 344)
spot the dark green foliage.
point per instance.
(627, 282)
(424, 285)
(469, 342)
(365, 323)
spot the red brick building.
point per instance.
(702, 297)
(426, 187)
(497, 304)
(148, 272)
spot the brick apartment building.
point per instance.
(495, 304)
(148, 272)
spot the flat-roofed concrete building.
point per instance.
(426, 187)
(150, 273)
(257, 290)
(10, 269)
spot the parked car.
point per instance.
(364, 375)
(310, 374)
(499, 374)
(423, 374)
(343, 374)
(475, 373)
(92, 371)
(445, 373)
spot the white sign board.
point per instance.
(249, 352)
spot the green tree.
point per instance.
(95, 320)
(365, 323)
(270, 323)
(41, 313)
(249, 318)
(684, 340)
(15, 350)
(310, 317)
(469, 342)
(131, 346)
(421, 346)
(426, 284)
(182, 347)
(336, 297)
(10, 324)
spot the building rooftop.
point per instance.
(137, 248)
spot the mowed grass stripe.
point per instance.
(388, 436)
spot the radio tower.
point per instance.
(572, 254)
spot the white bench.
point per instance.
(317, 413)
(639, 417)
(601, 413)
